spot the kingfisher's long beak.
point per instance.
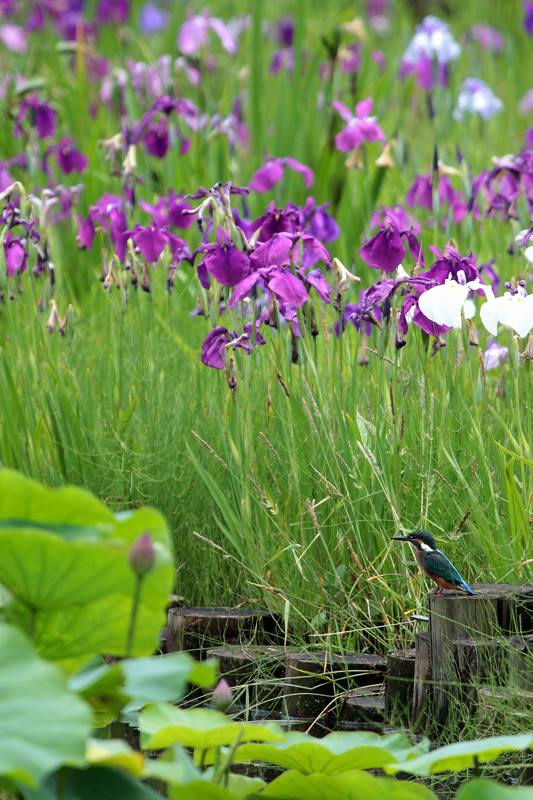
(401, 538)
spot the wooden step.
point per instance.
(199, 629)
(363, 709)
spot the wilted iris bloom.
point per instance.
(218, 340)
(475, 97)
(429, 53)
(495, 355)
(360, 126)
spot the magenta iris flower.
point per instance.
(360, 126)
(15, 254)
(192, 36)
(14, 38)
(266, 177)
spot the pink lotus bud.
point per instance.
(222, 695)
(142, 555)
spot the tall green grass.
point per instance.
(287, 491)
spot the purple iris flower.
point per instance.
(274, 220)
(487, 37)
(214, 347)
(215, 344)
(528, 17)
(285, 31)
(15, 254)
(192, 36)
(350, 59)
(69, 159)
(420, 193)
(109, 214)
(156, 137)
(171, 210)
(112, 12)
(489, 271)
(316, 221)
(316, 279)
(42, 116)
(270, 174)
(386, 249)
(282, 60)
(361, 127)
(401, 217)
(224, 261)
(287, 288)
(152, 19)
(151, 241)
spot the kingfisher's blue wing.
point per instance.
(440, 566)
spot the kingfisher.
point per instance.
(434, 563)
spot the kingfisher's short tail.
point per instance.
(466, 588)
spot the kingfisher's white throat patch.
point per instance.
(425, 547)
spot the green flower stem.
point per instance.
(133, 614)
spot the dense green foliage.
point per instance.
(286, 491)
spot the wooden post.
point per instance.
(399, 685)
(422, 678)
(198, 629)
(362, 709)
(521, 662)
(314, 680)
(495, 609)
